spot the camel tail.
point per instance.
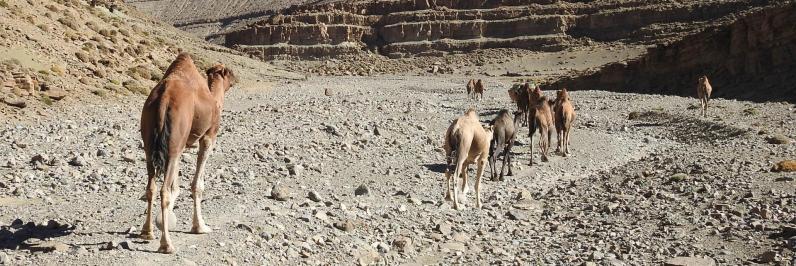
(160, 145)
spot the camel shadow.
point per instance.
(16, 235)
(436, 167)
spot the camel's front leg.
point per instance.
(198, 187)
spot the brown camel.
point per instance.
(503, 136)
(466, 142)
(478, 90)
(703, 92)
(541, 118)
(183, 108)
(564, 117)
(519, 95)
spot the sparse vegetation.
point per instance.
(83, 57)
(634, 115)
(751, 111)
(136, 87)
(70, 22)
(45, 99)
(3, 4)
(58, 70)
(100, 93)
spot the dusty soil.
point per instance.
(664, 184)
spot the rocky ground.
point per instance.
(355, 177)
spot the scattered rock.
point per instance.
(444, 228)
(678, 177)
(362, 190)
(313, 196)
(402, 244)
(346, 225)
(15, 102)
(769, 257)
(49, 246)
(778, 139)
(280, 193)
(690, 261)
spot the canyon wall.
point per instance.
(406, 28)
(753, 58)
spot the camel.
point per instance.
(470, 87)
(563, 118)
(541, 118)
(466, 142)
(703, 92)
(182, 109)
(478, 90)
(519, 95)
(503, 135)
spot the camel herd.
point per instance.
(185, 108)
(466, 139)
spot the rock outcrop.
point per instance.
(753, 58)
(406, 28)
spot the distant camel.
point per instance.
(470, 88)
(466, 142)
(703, 92)
(564, 117)
(541, 118)
(504, 133)
(182, 108)
(519, 95)
(478, 90)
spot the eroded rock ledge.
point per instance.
(753, 58)
(405, 28)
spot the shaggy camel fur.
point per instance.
(540, 117)
(466, 142)
(471, 88)
(478, 90)
(564, 116)
(503, 136)
(183, 108)
(703, 92)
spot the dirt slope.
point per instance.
(55, 49)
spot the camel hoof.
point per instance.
(545, 159)
(502, 178)
(168, 249)
(566, 154)
(147, 235)
(203, 229)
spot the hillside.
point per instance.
(66, 51)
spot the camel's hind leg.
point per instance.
(198, 186)
(167, 197)
(146, 230)
(544, 142)
(478, 175)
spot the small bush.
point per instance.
(100, 93)
(43, 72)
(58, 70)
(43, 27)
(633, 115)
(83, 57)
(136, 87)
(139, 72)
(69, 22)
(3, 4)
(46, 99)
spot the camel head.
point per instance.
(703, 79)
(220, 76)
(563, 94)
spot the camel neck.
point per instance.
(217, 91)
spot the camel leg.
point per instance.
(567, 130)
(508, 157)
(506, 160)
(530, 143)
(456, 186)
(492, 166)
(448, 180)
(146, 230)
(198, 186)
(543, 142)
(465, 185)
(166, 201)
(478, 175)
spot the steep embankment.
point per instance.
(753, 58)
(408, 28)
(69, 51)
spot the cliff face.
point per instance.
(405, 28)
(756, 51)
